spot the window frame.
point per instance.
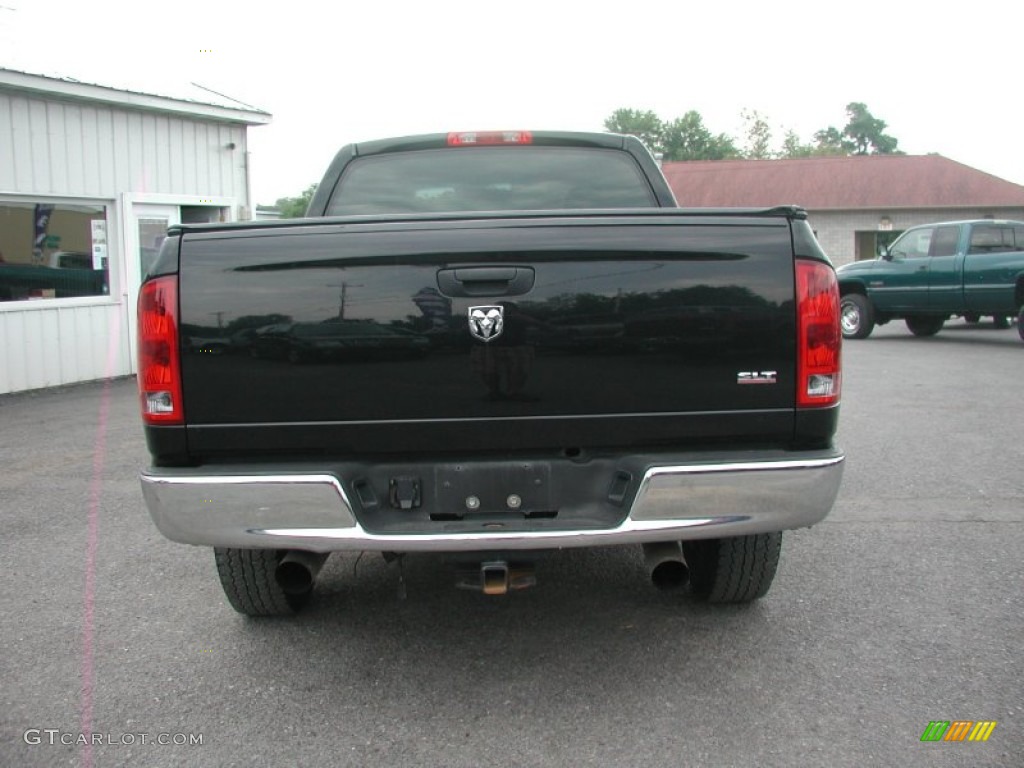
(114, 277)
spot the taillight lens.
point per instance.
(819, 351)
(482, 138)
(159, 362)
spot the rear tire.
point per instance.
(1001, 321)
(925, 325)
(856, 316)
(247, 576)
(733, 570)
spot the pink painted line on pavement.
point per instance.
(99, 455)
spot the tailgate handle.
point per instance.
(486, 281)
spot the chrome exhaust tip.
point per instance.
(296, 572)
(666, 564)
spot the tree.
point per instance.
(295, 207)
(792, 146)
(829, 141)
(687, 138)
(758, 145)
(646, 126)
(865, 132)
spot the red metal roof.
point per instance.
(840, 183)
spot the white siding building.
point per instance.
(90, 178)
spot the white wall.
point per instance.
(77, 149)
(61, 345)
(98, 153)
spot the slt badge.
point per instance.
(486, 323)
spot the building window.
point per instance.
(53, 250)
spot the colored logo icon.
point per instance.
(958, 730)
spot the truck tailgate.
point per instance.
(509, 332)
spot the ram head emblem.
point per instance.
(486, 323)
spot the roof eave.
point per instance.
(47, 86)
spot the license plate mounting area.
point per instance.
(499, 489)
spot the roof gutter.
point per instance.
(74, 90)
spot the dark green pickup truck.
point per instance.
(932, 272)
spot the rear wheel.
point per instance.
(925, 325)
(1001, 321)
(733, 570)
(247, 576)
(971, 317)
(856, 316)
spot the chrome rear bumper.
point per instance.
(311, 510)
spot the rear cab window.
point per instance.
(491, 179)
(996, 238)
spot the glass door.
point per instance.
(146, 231)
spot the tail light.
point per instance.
(482, 138)
(159, 361)
(819, 350)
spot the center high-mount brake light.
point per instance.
(487, 138)
(159, 358)
(819, 349)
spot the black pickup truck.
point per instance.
(492, 345)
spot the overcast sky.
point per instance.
(945, 77)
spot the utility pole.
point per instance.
(343, 295)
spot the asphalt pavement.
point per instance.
(902, 608)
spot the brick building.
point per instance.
(855, 204)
